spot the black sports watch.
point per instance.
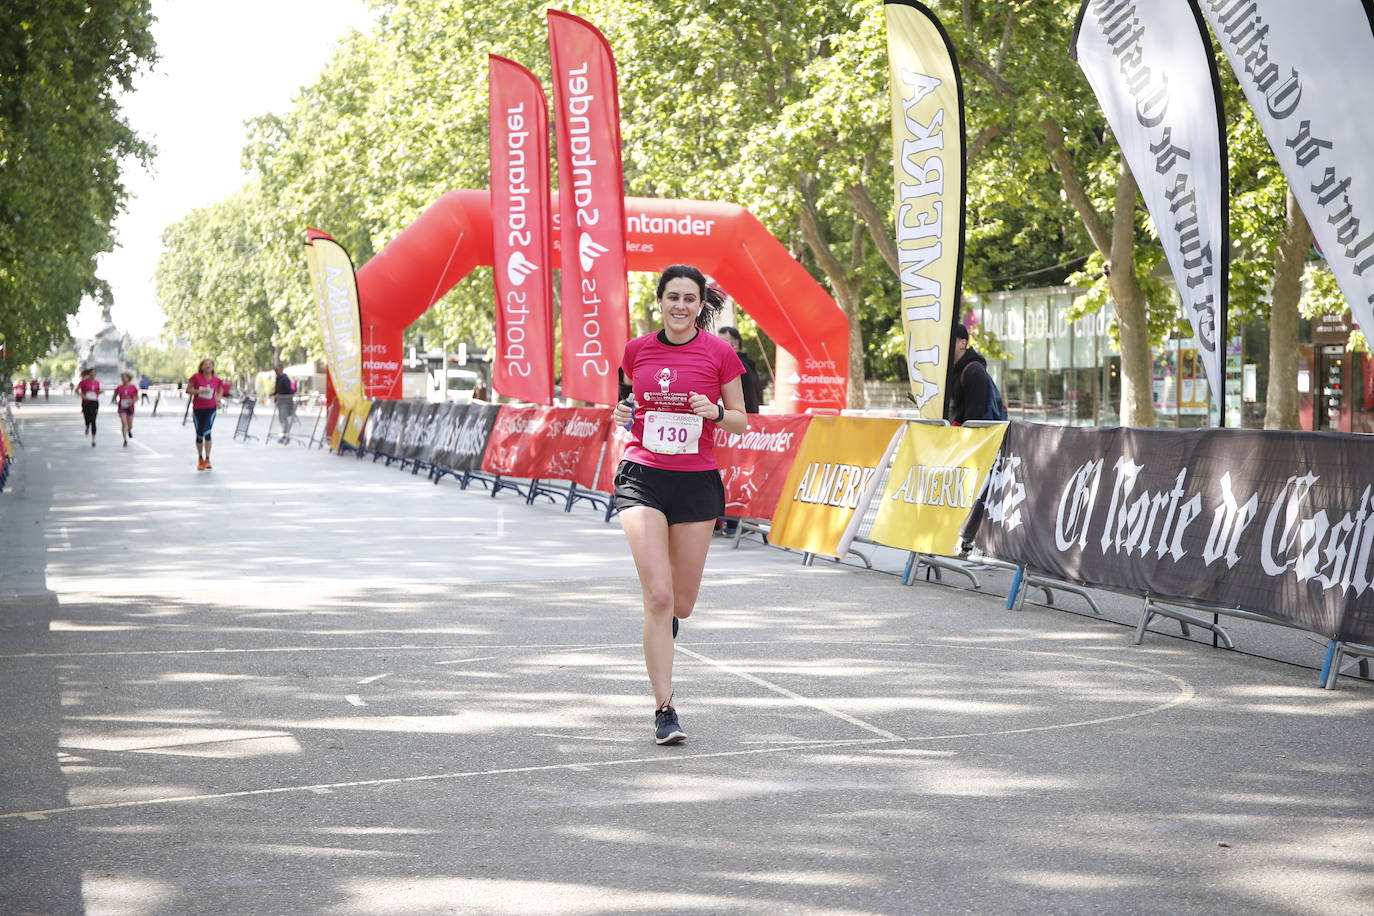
(720, 416)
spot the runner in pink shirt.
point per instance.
(685, 383)
(207, 392)
(88, 390)
(125, 397)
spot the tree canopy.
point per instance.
(782, 109)
(62, 136)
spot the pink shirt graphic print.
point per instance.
(664, 376)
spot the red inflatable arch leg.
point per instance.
(453, 236)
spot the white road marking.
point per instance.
(355, 699)
(147, 448)
(582, 737)
(668, 756)
(375, 677)
(783, 691)
(464, 661)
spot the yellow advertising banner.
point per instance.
(936, 477)
(834, 473)
(928, 165)
(353, 432)
(336, 302)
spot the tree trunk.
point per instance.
(1117, 245)
(847, 291)
(1281, 397)
(1132, 311)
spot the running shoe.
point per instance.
(208, 465)
(667, 729)
(201, 464)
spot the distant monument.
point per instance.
(105, 351)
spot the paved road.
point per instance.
(304, 684)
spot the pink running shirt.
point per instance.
(88, 389)
(126, 397)
(205, 390)
(663, 376)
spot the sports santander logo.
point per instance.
(518, 267)
(588, 250)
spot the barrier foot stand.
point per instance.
(909, 571)
(808, 558)
(868, 564)
(591, 496)
(1015, 591)
(1359, 657)
(1153, 609)
(1049, 585)
(747, 527)
(939, 563)
(537, 489)
(1330, 665)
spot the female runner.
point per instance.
(685, 382)
(125, 397)
(88, 389)
(207, 390)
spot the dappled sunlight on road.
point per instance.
(318, 684)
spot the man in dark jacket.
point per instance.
(750, 382)
(970, 385)
(286, 402)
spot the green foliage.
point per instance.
(782, 109)
(61, 140)
(214, 283)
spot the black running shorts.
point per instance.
(682, 496)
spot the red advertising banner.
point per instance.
(615, 450)
(578, 434)
(518, 446)
(591, 194)
(754, 466)
(521, 232)
(563, 443)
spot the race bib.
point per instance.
(126, 403)
(91, 396)
(671, 433)
(207, 392)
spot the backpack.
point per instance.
(996, 407)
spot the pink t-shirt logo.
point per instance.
(665, 379)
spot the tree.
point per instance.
(212, 283)
(61, 141)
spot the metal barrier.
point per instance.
(245, 420)
(1332, 667)
(12, 425)
(287, 437)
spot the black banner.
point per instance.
(389, 434)
(417, 442)
(1277, 523)
(378, 425)
(462, 434)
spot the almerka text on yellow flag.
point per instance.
(336, 301)
(928, 166)
(937, 474)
